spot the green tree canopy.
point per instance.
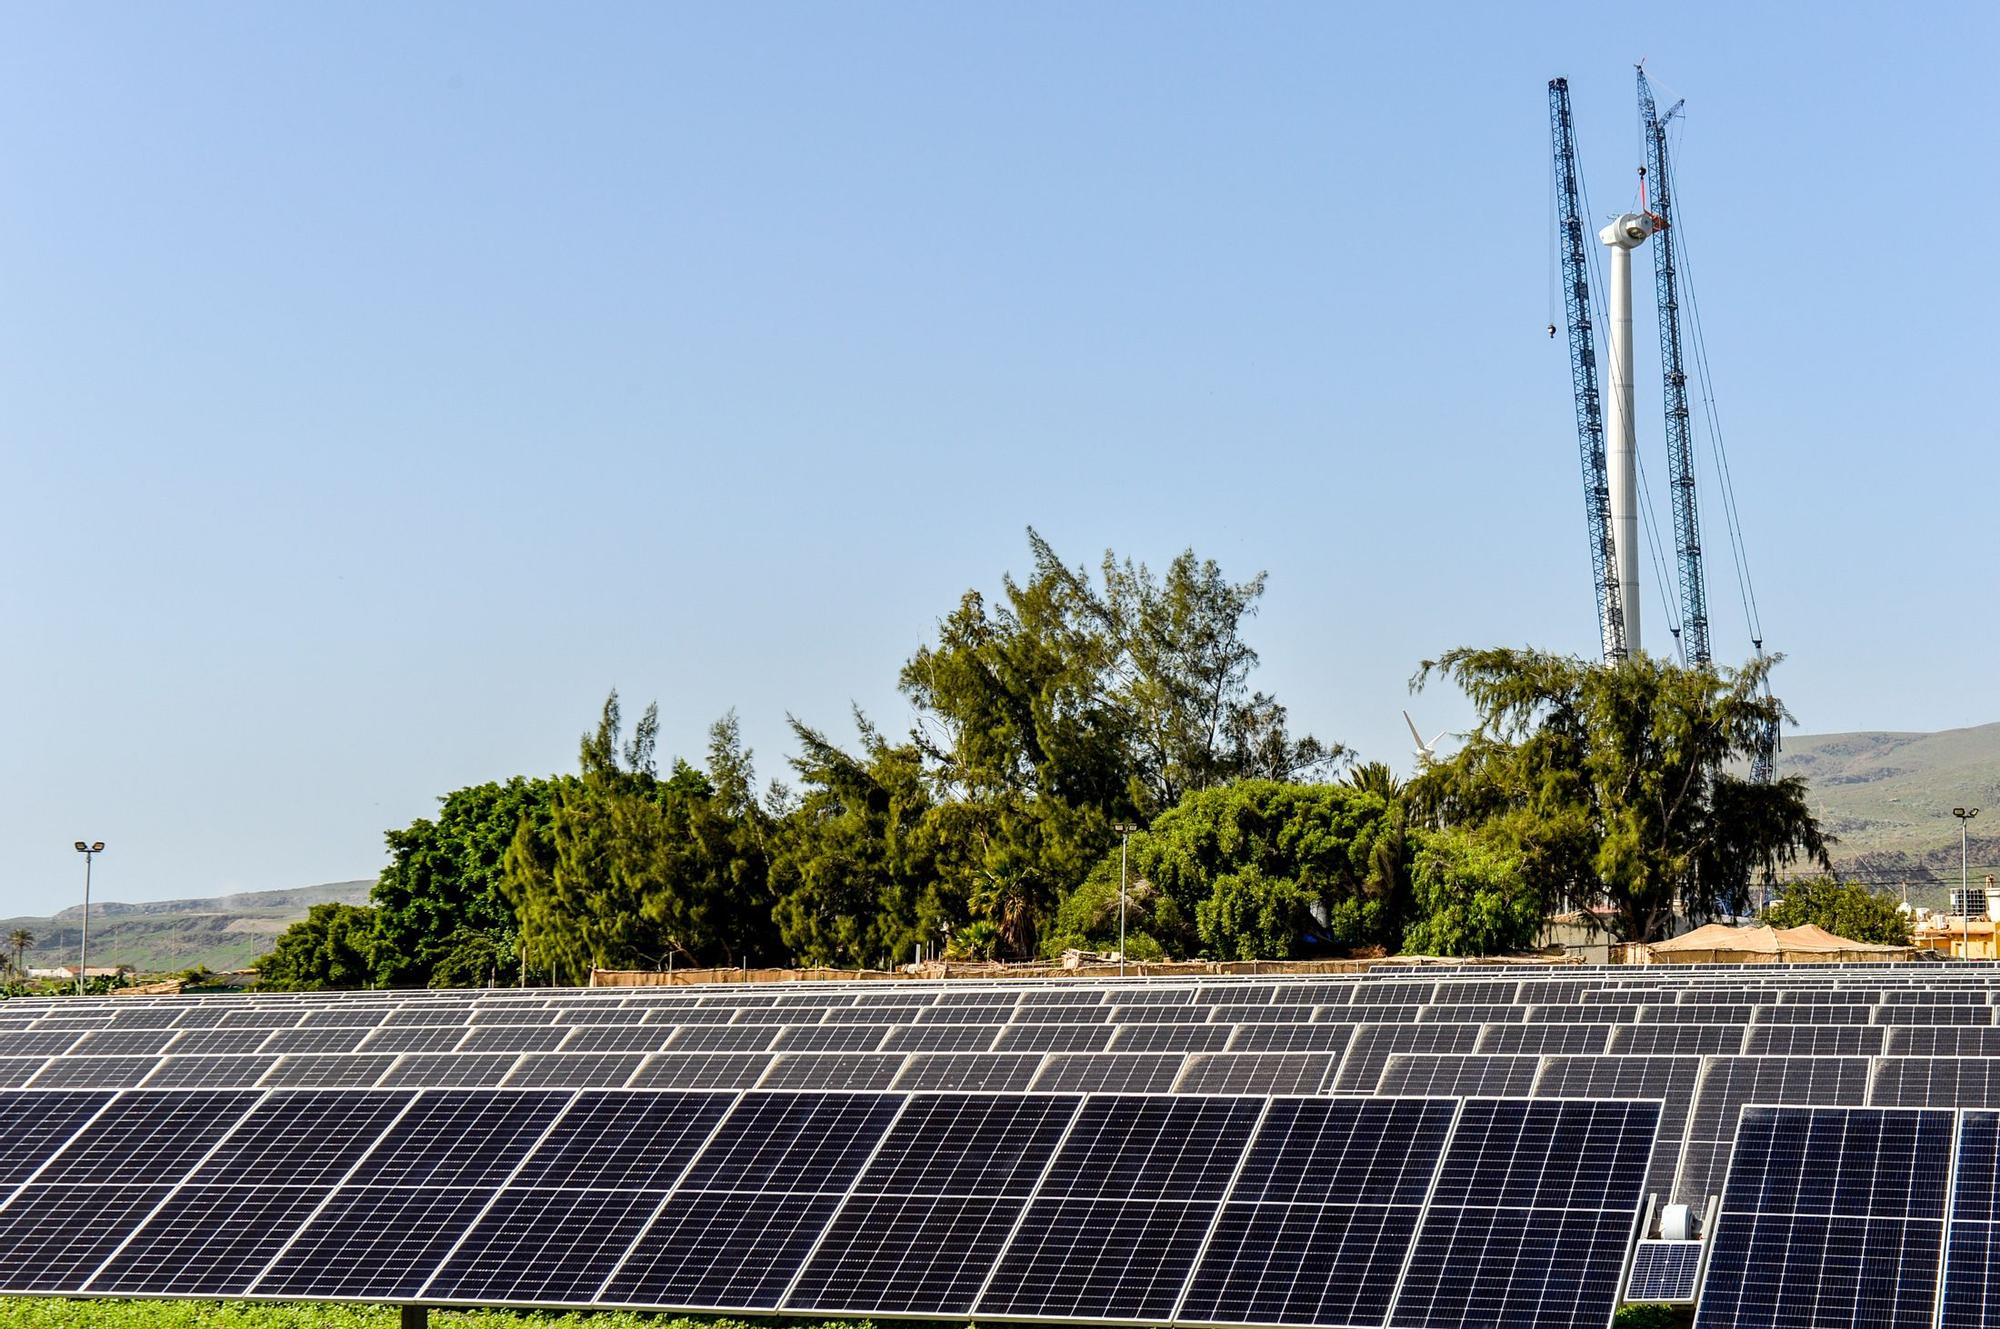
(855, 866)
(1071, 705)
(1470, 897)
(1620, 783)
(441, 892)
(1257, 870)
(639, 872)
(329, 948)
(1844, 908)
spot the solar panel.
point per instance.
(1831, 1217)
(1939, 1082)
(1054, 1038)
(1368, 1055)
(336, 1071)
(1971, 1294)
(770, 1139)
(17, 1071)
(1110, 1072)
(54, 1243)
(1256, 1073)
(833, 1038)
(1096, 1259)
(439, 1070)
(1542, 1039)
(309, 1137)
(623, 1141)
(144, 1138)
(1172, 1038)
(941, 1038)
(552, 1246)
(209, 1240)
(1291, 1038)
(729, 1251)
(929, 1219)
(619, 1038)
(189, 1042)
(1943, 1041)
(374, 1241)
(712, 1070)
(1728, 1083)
(454, 1138)
(1664, 1271)
(1459, 1013)
(1458, 1075)
(517, 1038)
(575, 1070)
(835, 1070)
(94, 1072)
(1533, 1210)
(32, 1126)
(414, 1038)
(314, 1040)
(1669, 1080)
(123, 1043)
(1804, 1040)
(968, 1071)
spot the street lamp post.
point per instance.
(89, 852)
(1124, 829)
(1965, 815)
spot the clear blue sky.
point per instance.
(382, 383)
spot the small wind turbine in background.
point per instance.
(1426, 752)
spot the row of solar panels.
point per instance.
(1700, 1095)
(1959, 985)
(1654, 1031)
(1270, 1211)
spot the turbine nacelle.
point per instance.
(1628, 230)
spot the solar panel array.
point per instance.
(1696, 1050)
(1144, 1208)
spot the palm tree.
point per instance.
(1375, 777)
(20, 939)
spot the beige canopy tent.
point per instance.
(1719, 943)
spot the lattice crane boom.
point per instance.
(1680, 432)
(1583, 374)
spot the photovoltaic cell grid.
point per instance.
(1831, 1217)
(1664, 1271)
(565, 1039)
(1153, 1208)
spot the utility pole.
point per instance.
(1965, 816)
(1124, 829)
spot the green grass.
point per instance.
(63, 1313)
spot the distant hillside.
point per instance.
(1889, 798)
(226, 932)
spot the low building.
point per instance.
(66, 973)
(1719, 943)
(1954, 935)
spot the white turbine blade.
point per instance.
(1415, 737)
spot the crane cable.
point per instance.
(1725, 482)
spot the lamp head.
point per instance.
(97, 848)
(81, 847)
